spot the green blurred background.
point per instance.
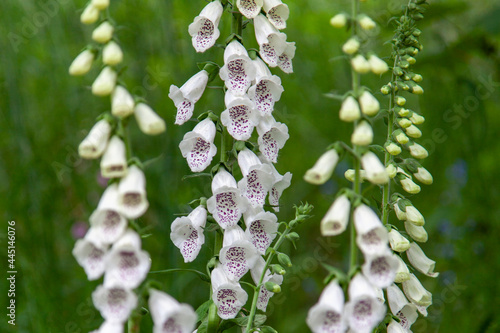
(50, 192)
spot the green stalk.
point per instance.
(213, 318)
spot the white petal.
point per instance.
(285, 59)
(126, 266)
(272, 43)
(186, 96)
(238, 71)
(238, 255)
(132, 193)
(122, 103)
(114, 159)
(327, 315)
(149, 121)
(169, 316)
(372, 236)
(223, 179)
(198, 147)
(416, 293)
(187, 233)
(240, 117)
(249, 8)
(375, 170)
(110, 327)
(105, 82)
(112, 54)
(323, 168)
(226, 206)
(227, 295)
(402, 273)
(95, 142)
(280, 183)
(272, 137)
(261, 230)
(380, 269)
(336, 219)
(91, 256)
(204, 29)
(398, 242)
(114, 303)
(277, 12)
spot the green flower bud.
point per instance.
(416, 89)
(349, 175)
(339, 20)
(391, 170)
(409, 186)
(293, 236)
(351, 46)
(400, 100)
(403, 122)
(423, 176)
(366, 23)
(417, 78)
(411, 60)
(418, 151)
(278, 269)
(400, 137)
(398, 71)
(416, 32)
(360, 64)
(392, 148)
(417, 119)
(413, 132)
(284, 260)
(272, 287)
(404, 64)
(403, 112)
(386, 90)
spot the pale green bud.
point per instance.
(398, 242)
(82, 63)
(366, 23)
(400, 213)
(362, 135)
(413, 131)
(414, 216)
(360, 64)
(400, 100)
(386, 90)
(402, 272)
(418, 151)
(403, 112)
(350, 173)
(403, 122)
(392, 148)
(377, 65)
(349, 111)
(122, 103)
(417, 233)
(423, 176)
(417, 90)
(278, 269)
(89, 15)
(409, 186)
(400, 137)
(112, 54)
(417, 78)
(351, 46)
(391, 170)
(105, 82)
(339, 20)
(284, 260)
(420, 261)
(411, 60)
(417, 119)
(100, 4)
(272, 287)
(103, 33)
(369, 104)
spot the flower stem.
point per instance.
(213, 318)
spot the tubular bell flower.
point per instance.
(277, 13)
(238, 71)
(105, 82)
(122, 103)
(95, 142)
(205, 28)
(267, 89)
(323, 168)
(375, 170)
(132, 193)
(364, 311)
(285, 58)
(416, 293)
(238, 255)
(272, 137)
(90, 253)
(362, 135)
(380, 269)
(227, 295)
(257, 179)
(115, 303)
(240, 117)
(187, 233)
(107, 220)
(187, 95)
(401, 308)
(327, 315)
(114, 159)
(170, 316)
(261, 228)
(198, 146)
(82, 63)
(349, 111)
(280, 183)
(372, 235)
(336, 219)
(112, 54)
(419, 260)
(249, 8)
(264, 293)
(272, 43)
(148, 121)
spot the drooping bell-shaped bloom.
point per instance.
(272, 137)
(132, 193)
(238, 255)
(371, 234)
(417, 233)
(82, 63)
(227, 295)
(360, 64)
(380, 269)
(362, 135)
(401, 308)
(240, 117)
(416, 293)
(375, 170)
(285, 58)
(420, 262)
(205, 28)
(349, 111)
(112, 54)
(261, 228)
(414, 216)
(257, 178)
(126, 264)
(90, 253)
(272, 43)
(89, 15)
(107, 220)
(402, 272)
(110, 327)
(398, 242)
(115, 303)
(149, 121)
(280, 183)
(198, 145)
(105, 82)
(327, 315)
(266, 90)
(187, 233)
(187, 95)
(369, 104)
(238, 71)
(249, 8)
(103, 33)
(264, 293)
(170, 316)
(364, 311)
(122, 103)
(377, 65)
(277, 13)
(336, 218)
(95, 142)
(339, 20)
(114, 159)
(323, 168)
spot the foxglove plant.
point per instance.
(247, 234)
(380, 242)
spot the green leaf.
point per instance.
(258, 320)
(267, 329)
(225, 325)
(202, 311)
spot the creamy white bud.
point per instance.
(398, 242)
(323, 168)
(349, 175)
(366, 23)
(377, 65)
(403, 122)
(351, 46)
(393, 149)
(339, 20)
(423, 176)
(403, 112)
(409, 186)
(360, 64)
(401, 215)
(336, 219)
(391, 170)
(417, 90)
(416, 293)
(375, 170)
(369, 104)
(417, 119)
(149, 122)
(132, 193)
(402, 272)
(413, 132)
(418, 151)
(103, 33)
(82, 63)
(402, 138)
(89, 15)
(414, 216)
(100, 4)
(95, 142)
(419, 260)
(349, 111)
(105, 82)
(362, 135)
(400, 100)
(112, 54)
(114, 160)
(417, 233)
(122, 103)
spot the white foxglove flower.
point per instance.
(198, 146)
(416, 293)
(82, 63)
(114, 159)
(205, 28)
(375, 170)
(371, 234)
(327, 315)
(240, 117)
(360, 64)
(238, 71)
(336, 219)
(349, 111)
(380, 269)
(369, 104)
(423, 176)
(414, 216)
(364, 311)
(362, 135)
(277, 12)
(187, 233)
(264, 294)
(272, 43)
(103, 33)
(401, 308)
(112, 54)
(261, 228)
(185, 97)
(105, 82)
(90, 253)
(323, 168)
(227, 295)
(417, 233)
(366, 23)
(110, 327)
(418, 151)
(107, 220)
(149, 121)
(280, 183)
(267, 89)
(398, 242)
(272, 137)
(249, 8)
(122, 103)
(132, 193)
(377, 65)
(402, 273)
(257, 179)
(339, 20)
(285, 58)
(89, 15)
(351, 46)
(95, 142)
(413, 132)
(238, 255)
(126, 264)
(420, 262)
(115, 303)
(170, 316)
(100, 4)
(410, 186)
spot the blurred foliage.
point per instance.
(48, 190)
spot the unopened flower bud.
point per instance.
(400, 209)
(375, 170)
(369, 104)
(112, 54)
(420, 261)
(103, 33)
(278, 269)
(323, 168)
(417, 78)
(400, 137)
(339, 20)
(351, 46)
(377, 65)
(149, 122)
(362, 135)
(366, 23)
(293, 236)
(96, 141)
(414, 216)
(349, 111)
(417, 233)
(423, 176)
(417, 90)
(360, 64)
(89, 15)
(403, 112)
(398, 242)
(409, 186)
(122, 103)
(336, 218)
(417, 119)
(413, 131)
(100, 4)
(82, 63)
(272, 287)
(391, 170)
(284, 260)
(418, 151)
(402, 272)
(403, 122)
(386, 90)
(392, 148)
(114, 160)
(400, 100)
(411, 60)
(105, 82)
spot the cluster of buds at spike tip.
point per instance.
(112, 247)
